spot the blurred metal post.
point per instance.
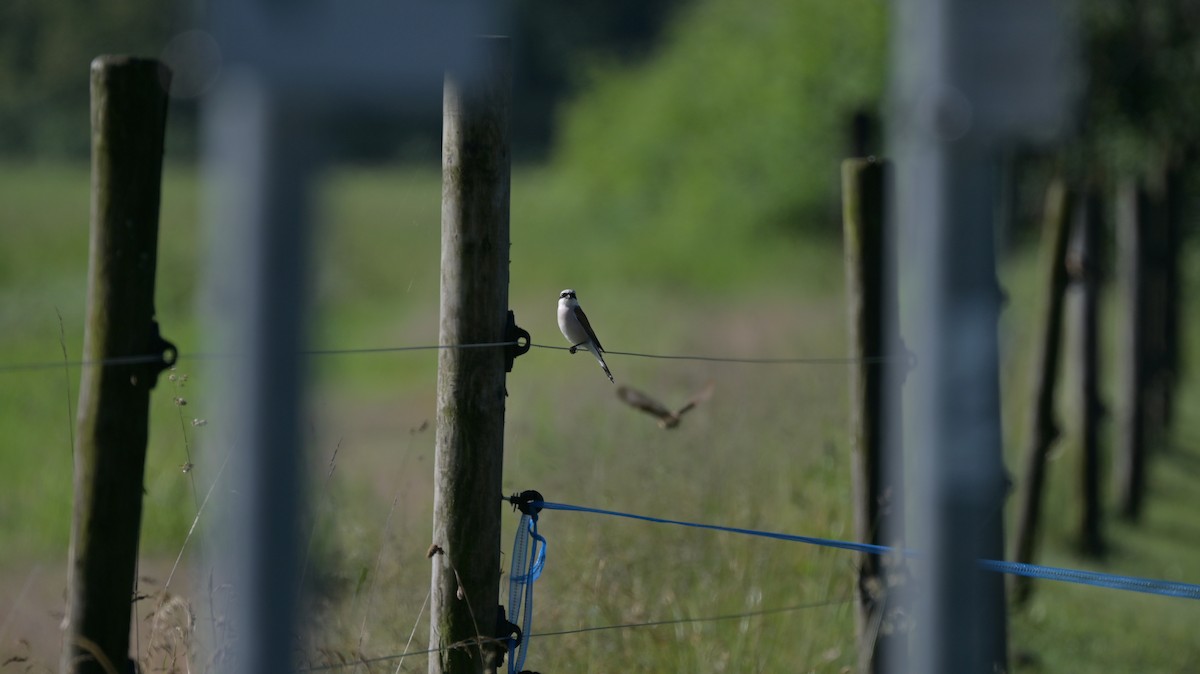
(969, 76)
(263, 165)
(287, 69)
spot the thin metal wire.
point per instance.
(761, 361)
(595, 628)
(381, 658)
(389, 349)
(119, 360)
(707, 619)
(157, 358)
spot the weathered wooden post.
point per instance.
(1086, 259)
(1160, 260)
(871, 299)
(1173, 216)
(1130, 464)
(129, 108)
(1042, 428)
(470, 395)
(863, 133)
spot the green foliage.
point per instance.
(45, 49)
(1143, 93)
(551, 39)
(46, 45)
(737, 122)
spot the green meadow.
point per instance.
(768, 451)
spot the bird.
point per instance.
(666, 418)
(578, 331)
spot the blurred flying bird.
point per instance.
(578, 331)
(666, 418)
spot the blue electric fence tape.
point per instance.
(1112, 581)
(528, 559)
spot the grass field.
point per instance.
(768, 451)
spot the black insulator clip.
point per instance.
(520, 341)
(165, 349)
(505, 629)
(525, 502)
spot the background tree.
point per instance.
(738, 120)
(45, 49)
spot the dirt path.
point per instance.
(32, 602)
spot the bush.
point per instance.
(738, 121)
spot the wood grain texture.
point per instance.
(129, 106)
(476, 165)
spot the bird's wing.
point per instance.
(636, 398)
(697, 398)
(582, 317)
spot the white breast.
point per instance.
(569, 325)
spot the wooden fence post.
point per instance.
(1086, 260)
(1042, 428)
(129, 107)
(1130, 468)
(863, 132)
(1173, 217)
(872, 304)
(1161, 269)
(470, 395)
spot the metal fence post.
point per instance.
(955, 107)
(262, 168)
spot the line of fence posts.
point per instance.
(872, 306)
(1072, 253)
(128, 116)
(1147, 215)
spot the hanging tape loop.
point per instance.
(528, 560)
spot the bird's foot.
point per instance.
(575, 347)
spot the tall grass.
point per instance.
(767, 451)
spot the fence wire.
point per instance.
(145, 359)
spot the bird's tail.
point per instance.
(603, 365)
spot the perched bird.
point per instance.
(578, 331)
(666, 418)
